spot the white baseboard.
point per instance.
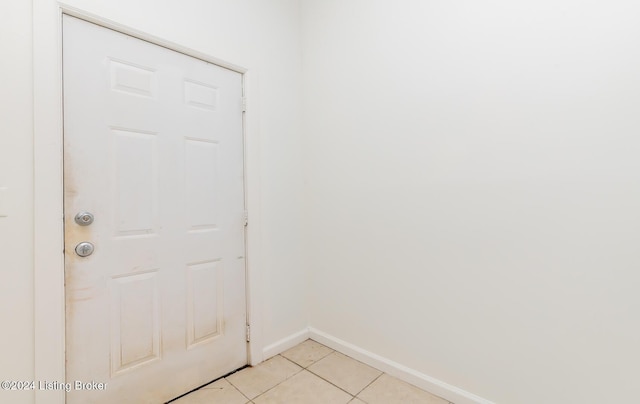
(425, 382)
(285, 343)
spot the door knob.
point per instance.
(84, 249)
(84, 218)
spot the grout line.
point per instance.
(297, 364)
(324, 357)
(314, 362)
(238, 390)
(327, 355)
(234, 386)
(365, 387)
(352, 395)
(323, 379)
(330, 382)
(333, 351)
(264, 392)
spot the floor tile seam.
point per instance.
(330, 353)
(238, 390)
(220, 388)
(231, 383)
(300, 370)
(382, 374)
(357, 361)
(330, 382)
(294, 362)
(236, 387)
(312, 363)
(372, 381)
(320, 377)
(284, 380)
(195, 390)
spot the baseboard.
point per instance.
(285, 343)
(425, 382)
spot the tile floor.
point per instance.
(307, 374)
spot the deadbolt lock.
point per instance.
(84, 218)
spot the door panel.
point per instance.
(153, 149)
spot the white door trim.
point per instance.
(49, 309)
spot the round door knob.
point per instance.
(84, 218)
(84, 249)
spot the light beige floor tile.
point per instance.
(307, 353)
(389, 390)
(256, 380)
(344, 372)
(356, 401)
(218, 392)
(304, 388)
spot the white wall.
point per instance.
(260, 36)
(16, 175)
(473, 190)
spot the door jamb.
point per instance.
(49, 301)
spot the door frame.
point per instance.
(49, 298)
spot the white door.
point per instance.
(153, 150)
